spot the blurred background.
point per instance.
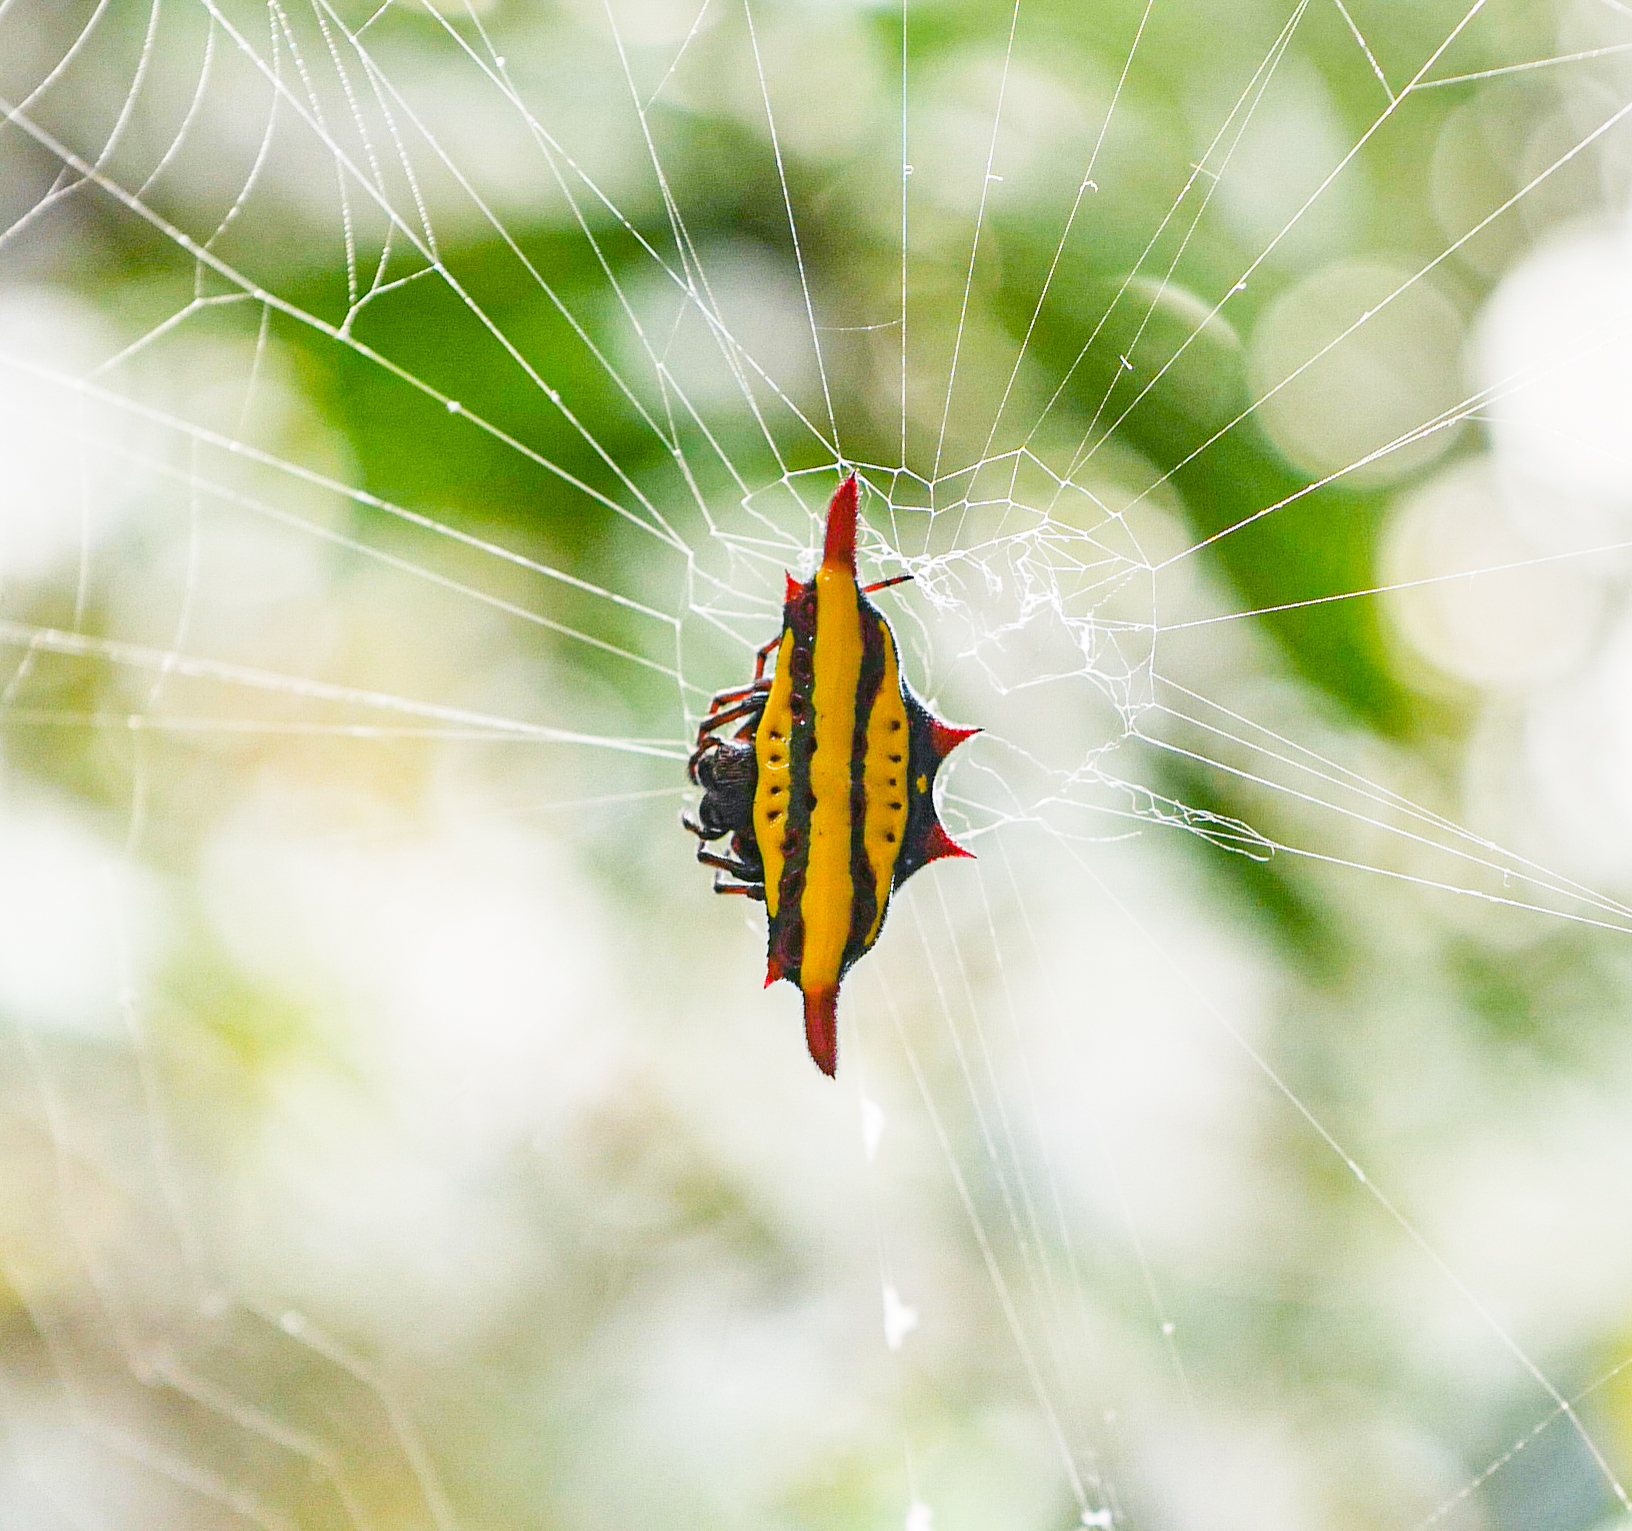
(407, 412)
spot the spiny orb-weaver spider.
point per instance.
(827, 787)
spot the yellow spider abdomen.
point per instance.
(773, 741)
(884, 774)
(828, 903)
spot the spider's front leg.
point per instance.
(737, 693)
(702, 833)
(746, 889)
(762, 654)
(754, 703)
(738, 869)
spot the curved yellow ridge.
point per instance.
(884, 774)
(829, 897)
(775, 772)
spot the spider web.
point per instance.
(409, 415)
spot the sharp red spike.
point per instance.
(840, 546)
(794, 590)
(773, 971)
(938, 844)
(822, 1028)
(946, 737)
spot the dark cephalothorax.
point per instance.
(726, 770)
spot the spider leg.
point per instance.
(736, 868)
(736, 693)
(730, 714)
(687, 822)
(884, 584)
(746, 889)
(761, 655)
